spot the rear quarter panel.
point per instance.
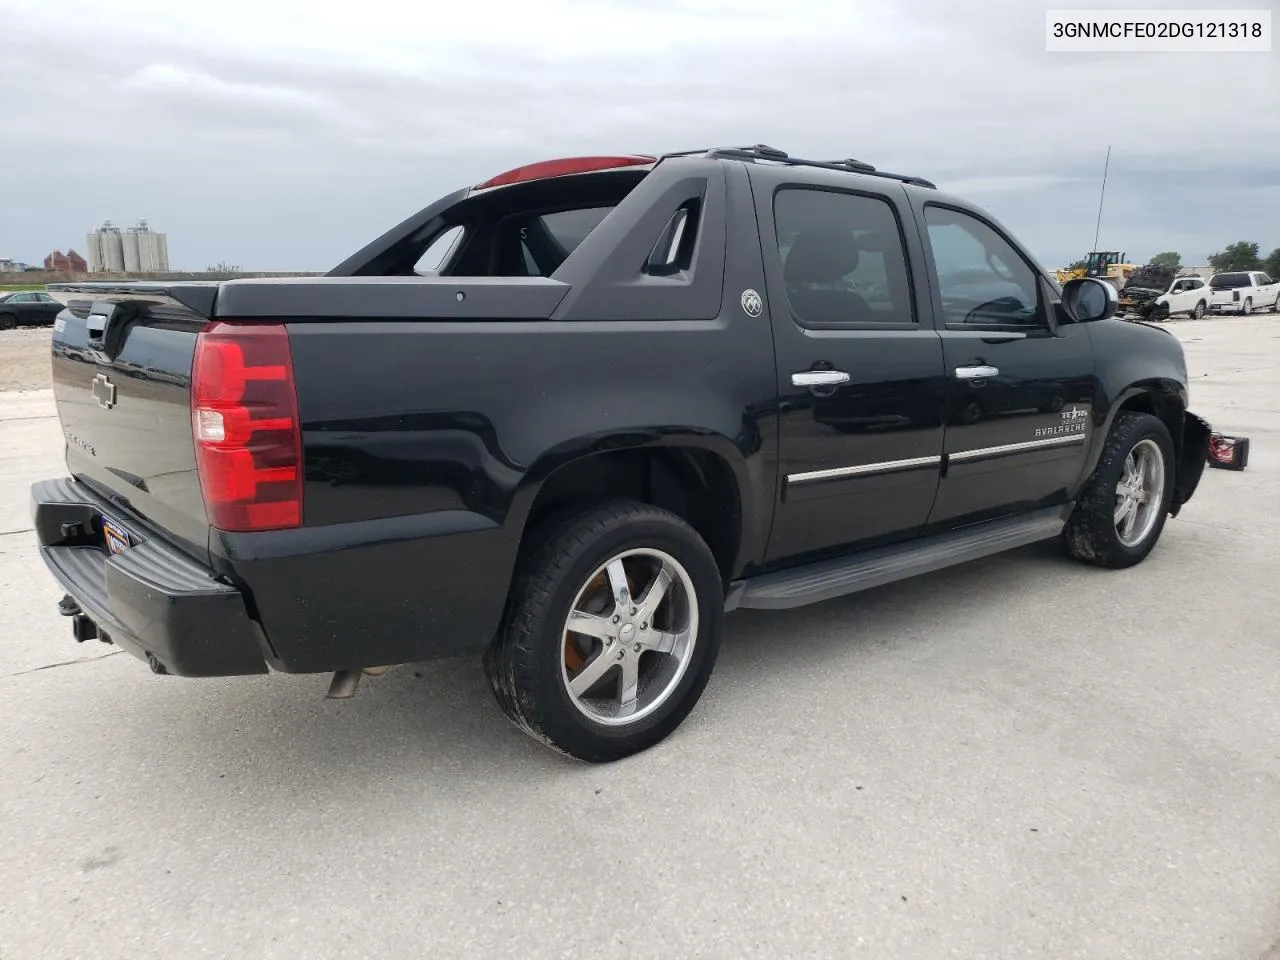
(427, 440)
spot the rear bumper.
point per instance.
(151, 600)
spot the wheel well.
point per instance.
(1167, 409)
(693, 484)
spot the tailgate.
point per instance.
(122, 356)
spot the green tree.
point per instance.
(1241, 255)
(1272, 264)
(1168, 260)
(1077, 264)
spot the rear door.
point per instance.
(859, 366)
(1019, 386)
(121, 380)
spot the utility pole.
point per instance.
(1098, 230)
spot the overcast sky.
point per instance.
(284, 134)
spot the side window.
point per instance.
(1264, 280)
(432, 258)
(22, 298)
(842, 258)
(981, 277)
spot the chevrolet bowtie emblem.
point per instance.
(104, 391)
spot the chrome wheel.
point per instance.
(1140, 493)
(629, 637)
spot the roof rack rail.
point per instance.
(764, 152)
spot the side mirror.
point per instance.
(1087, 299)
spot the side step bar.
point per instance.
(827, 579)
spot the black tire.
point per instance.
(1161, 313)
(8, 321)
(525, 662)
(1247, 307)
(1090, 534)
(1198, 313)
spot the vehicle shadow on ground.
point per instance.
(438, 723)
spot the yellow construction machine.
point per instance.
(1106, 265)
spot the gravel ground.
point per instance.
(24, 358)
(1020, 758)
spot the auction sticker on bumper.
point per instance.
(116, 537)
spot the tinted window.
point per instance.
(570, 227)
(842, 258)
(981, 277)
(543, 242)
(22, 298)
(1263, 280)
(1228, 281)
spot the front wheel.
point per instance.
(611, 632)
(8, 321)
(1122, 511)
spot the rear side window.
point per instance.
(842, 256)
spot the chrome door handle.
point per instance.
(976, 373)
(819, 378)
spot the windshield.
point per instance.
(1228, 281)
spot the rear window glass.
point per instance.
(546, 240)
(570, 227)
(1229, 280)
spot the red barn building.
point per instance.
(69, 262)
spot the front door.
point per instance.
(860, 377)
(1185, 294)
(1020, 384)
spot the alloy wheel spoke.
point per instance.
(588, 624)
(663, 641)
(618, 583)
(591, 673)
(653, 597)
(628, 685)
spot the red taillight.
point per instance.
(244, 417)
(560, 168)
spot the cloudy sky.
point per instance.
(284, 134)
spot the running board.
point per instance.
(827, 579)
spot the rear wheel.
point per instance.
(1247, 307)
(8, 321)
(611, 631)
(1198, 313)
(1122, 511)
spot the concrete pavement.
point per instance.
(1023, 757)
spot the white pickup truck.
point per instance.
(1242, 292)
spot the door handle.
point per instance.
(977, 373)
(819, 378)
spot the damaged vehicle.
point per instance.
(564, 420)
